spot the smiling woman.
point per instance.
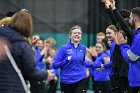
(75, 34)
(70, 59)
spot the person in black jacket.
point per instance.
(120, 66)
(16, 33)
(119, 18)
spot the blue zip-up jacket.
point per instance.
(119, 65)
(112, 47)
(101, 75)
(107, 52)
(132, 55)
(74, 70)
(39, 58)
(110, 69)
(109, 65)
(92, 65)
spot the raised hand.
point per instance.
(106, 59)
(121, 39)
(69, 58)
(92, 51)
(34, 39)
(113, 4)
(107, 3)
(50, 75)
(49, 60)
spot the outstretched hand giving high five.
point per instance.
(113, 4)
(109, 3)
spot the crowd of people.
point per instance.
(113, 63)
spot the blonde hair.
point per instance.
(51, 40)
(5, 21)
(101, 34)
(75, 27)
(112, 27)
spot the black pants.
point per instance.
(135, 89)
(119, 84)
(79, 87)
(52, 86)
(102, 87)
(37, 87)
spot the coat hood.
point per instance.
(10, 34)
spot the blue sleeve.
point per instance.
(56, 71)
(132, 53)
(93, 64)
(108, 65)
(136, 45)
(60, 60)
(39, 57)
(124, 48)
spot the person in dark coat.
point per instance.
(16, 33)
(119, 76)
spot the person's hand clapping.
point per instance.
(121, 39)
(107, 3)
(50, 75)
(69, 58)
(106, 59)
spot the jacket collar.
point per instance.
(72, 44)
(137, 31)
(101, 53)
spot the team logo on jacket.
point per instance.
(81, 50)
(69, 51)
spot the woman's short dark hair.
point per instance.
(136, 11)
(125, 13)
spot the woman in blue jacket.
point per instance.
(70, 59)
(100, 74)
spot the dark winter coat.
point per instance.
(25, 59)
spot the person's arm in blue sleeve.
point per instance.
(131, 54)
(124, 48)
(93, 64)
(39, 57)
(108, 65)
(59, 60)
(107, 61)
